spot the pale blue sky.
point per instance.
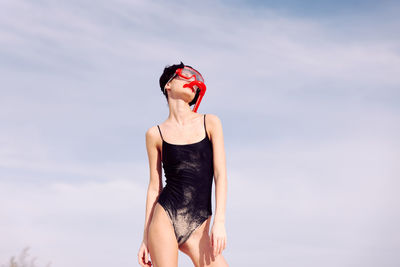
(307, 92)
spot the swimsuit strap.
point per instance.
(205, 129)
(160, 132)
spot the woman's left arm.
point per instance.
(218, 232)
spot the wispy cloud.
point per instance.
(309, 106)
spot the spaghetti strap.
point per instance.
(205, 129)
(160, 132)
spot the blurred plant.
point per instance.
(22, 260)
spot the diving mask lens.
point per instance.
(188, 73)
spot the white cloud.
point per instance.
(312, 105)
(73, 224)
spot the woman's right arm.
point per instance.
(155, 183)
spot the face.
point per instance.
(176, 90)
(185, 84)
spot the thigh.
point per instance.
(198, 247)
(162, 243)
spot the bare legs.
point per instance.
(163, 247)
(162, 243)
(198, 248)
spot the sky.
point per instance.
(307, 93)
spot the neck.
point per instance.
(180, 112)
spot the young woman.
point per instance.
(190, 147)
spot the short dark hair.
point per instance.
(168, 72)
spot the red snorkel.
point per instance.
(200, 86)
(197, 85)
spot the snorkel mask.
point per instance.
(197, 85)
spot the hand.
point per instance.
(143, 255)
(218, 238)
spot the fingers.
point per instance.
(138, 255)
(146, 256)
(143, 257)
(224, 243)
(140, 258)
(218, 245)
(214, 244)
(142, 261)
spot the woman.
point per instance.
(178, 216)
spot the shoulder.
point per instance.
(213, 120)
(152, 134)
(214, 125)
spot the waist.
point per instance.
(182, 193)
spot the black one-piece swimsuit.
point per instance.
(189, 173)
